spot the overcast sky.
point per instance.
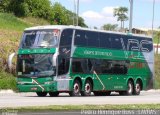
(100, 12)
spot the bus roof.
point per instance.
(80, 28)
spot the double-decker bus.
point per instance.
(79, 61)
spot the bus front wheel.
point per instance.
(137, 88)
(41, 94)
(76, 89)
(87, 89)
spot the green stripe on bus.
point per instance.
(37, 51)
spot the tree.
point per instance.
(59, 14)
(62, 16)
(4, 5)
(35, 8)
(111, 27)
(121, 14)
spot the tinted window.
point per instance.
(82, 65)
(63, 65)
(119, 67)
(106, 67)
(116, 41)
(79, 66)
(29, 39)
(66, 37)
(105, 41)
(92, 39)
(80, 39)
(111, 67)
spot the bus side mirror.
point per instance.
(10, 59)
(55, 56)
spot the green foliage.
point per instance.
(4, 5)
(110, 27)
(22, 8)
(64, 108)
(7, 81)
(59, 14)
(9, 21)
(56, 13)
(156, 38)
(39, 8)
(157, 71)
(121, 14)
(62, 16)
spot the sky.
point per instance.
(96, 13)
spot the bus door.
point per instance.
(64, 58)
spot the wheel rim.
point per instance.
(130, 88)
(76, 88)
(138, 88)
(87, 88)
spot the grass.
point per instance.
(10, 22)
(7, 81)
(85, 107)
(11, 29)
(34, 21)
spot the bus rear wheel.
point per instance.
(130, 88)
(41, 94)
(76, 89)
(137, 88)
(53, 94)
(87, 89)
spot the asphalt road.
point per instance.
(31, 99)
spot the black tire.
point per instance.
(130, 88)
(41, 94)
(76, 89)
(87, 88)
(53, 94)
(137, 88)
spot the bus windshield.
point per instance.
(40, 38)
(37, 65)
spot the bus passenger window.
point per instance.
(80, 39)
(92, 39)
(105, 41)
(116, 42)
(66, 38)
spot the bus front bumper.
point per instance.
(36, 88)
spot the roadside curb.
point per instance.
(6, 91)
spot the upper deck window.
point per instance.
(40, 38)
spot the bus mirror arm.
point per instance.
(55, 59)
(10, 59)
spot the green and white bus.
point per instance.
(56, 59)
